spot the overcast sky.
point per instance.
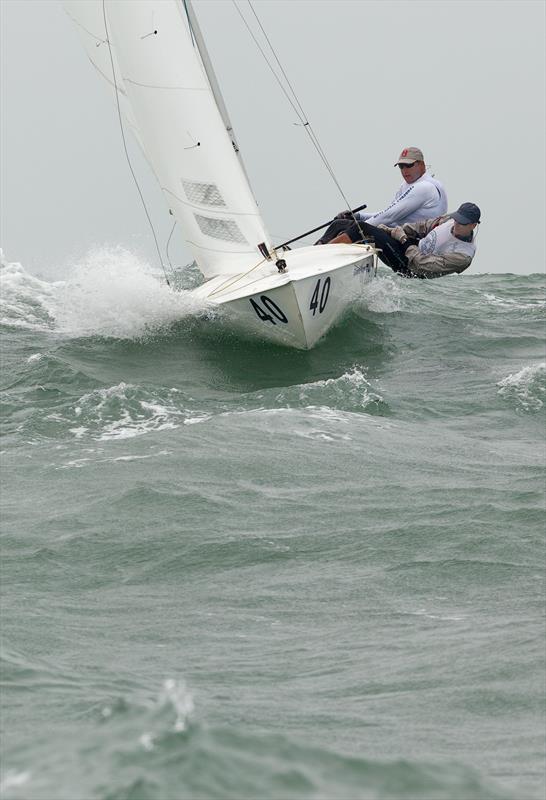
(462, 79)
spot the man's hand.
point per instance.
(400, 235)
(344, 215)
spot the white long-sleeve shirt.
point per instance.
(423, 199)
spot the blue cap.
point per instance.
(467, 213)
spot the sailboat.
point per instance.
(153, 55)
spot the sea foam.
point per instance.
(526, 387)
(111, 293)
(25, 301)
(114, 294)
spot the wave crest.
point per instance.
(527, 388)
(111, 293)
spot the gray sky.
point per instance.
(462, 79)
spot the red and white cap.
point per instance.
(409, 155)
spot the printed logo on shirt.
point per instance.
(428, 244)
(395, 201)
(404, 194)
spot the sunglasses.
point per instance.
(407, 166)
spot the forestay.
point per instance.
(166, 98)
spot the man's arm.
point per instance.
(418, 230)
(413, 230)
(408, 201)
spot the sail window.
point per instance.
(220, 229)
(206, 194)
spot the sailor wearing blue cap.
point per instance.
(428, 249)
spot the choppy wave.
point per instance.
(25, 300)
(525, 388)
(161, 748)
(125, 411)
(518, 304)
(339, 549)
(350, 391)
(111, 293)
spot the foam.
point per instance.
(120, 412)
(527, 387)
(175, 695)
(514, 305)
(113, 293)
(351, 390)
(13, 780)
(25, 301)
(110, 293)
(383, 295)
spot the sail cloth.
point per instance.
(167, 100)
(88, 17)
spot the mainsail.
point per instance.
(168, 101)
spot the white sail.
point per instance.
(165, 94)
(88, 17)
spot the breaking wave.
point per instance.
(526, 388)
(111, 293)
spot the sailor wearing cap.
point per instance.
(420, 197)
(435, 247)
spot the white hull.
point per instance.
(298, 307)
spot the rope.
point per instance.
(167, 246)
(294, 101)
(125, 145)
(237, 278)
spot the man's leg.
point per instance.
(392, 252)
(336, 227)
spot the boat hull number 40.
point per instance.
(268, 311)
(320, 296)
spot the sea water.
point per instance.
(234, 570)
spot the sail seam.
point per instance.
(167, 88)
(201, 246)
(107, 79)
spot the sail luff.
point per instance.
(213, 80)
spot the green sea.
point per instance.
(234, 570)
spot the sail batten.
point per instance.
(166, 95)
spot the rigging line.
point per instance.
(299, 109)
(167, 246)
(266, 37)
(237, 278)
(125, 144)
(301, 117)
